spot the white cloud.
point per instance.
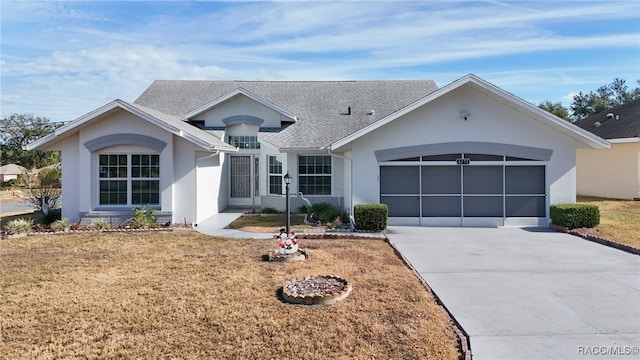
(63, 59)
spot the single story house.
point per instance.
(10, 172)
(466, 154)
(612, 173)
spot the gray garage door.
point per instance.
(464, 189)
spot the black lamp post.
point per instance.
(287, 181)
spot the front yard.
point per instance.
(619, 220)
(187, 295)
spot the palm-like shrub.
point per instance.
(19, 226)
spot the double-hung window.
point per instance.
(274, 169)
(314, 174)
(129, 179)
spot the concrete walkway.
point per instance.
(530, 293)
(218, 225)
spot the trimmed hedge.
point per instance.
(574, 216)
(371, 217)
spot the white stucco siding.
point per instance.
(241, 105)
(184, 186)
(209, 188)
(440, 122)
(71, 175)
(611, 173)
(122, 122)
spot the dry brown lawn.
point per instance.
(186, 295)
(619, 220)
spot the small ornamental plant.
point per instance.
(61, 225)
(101, 224)
(19, 226)
(144, 218)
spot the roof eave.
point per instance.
(624, 140)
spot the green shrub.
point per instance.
(144, 217)
(269, 210)
(60, 225)
(19, 226)
(371, 217)
(50, 217)
(101, 224)
(327, 212)
(574, 216)
(303, 209)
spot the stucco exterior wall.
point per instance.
(71, 175)
(241, 105)
(612, 173)
(208, 188)
(184, 181)
(122, 122)
(440, 122)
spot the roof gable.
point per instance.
(620, 122)
(167, 122)
(233, 94)
(495, 92)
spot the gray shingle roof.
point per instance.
(627, 124)
(318, 105)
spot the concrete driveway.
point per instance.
(530, 293)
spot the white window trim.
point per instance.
(330, 175)
(129, 179)
(279, 175)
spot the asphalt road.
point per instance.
(15, 206)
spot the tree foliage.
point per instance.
(44, 189)
(605, 97)
(556, 109)
(18, 130)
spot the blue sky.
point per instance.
(64, 59)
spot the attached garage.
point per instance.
(483, 185)
(468, 154)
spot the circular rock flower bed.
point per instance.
(316, 290)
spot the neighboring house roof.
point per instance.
(167, 122)
(496, 93)
(324, 111)
(11, 169)
(620, 122)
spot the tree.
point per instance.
(605, 97)
(556, 109)
(18, 130)
(44, 189)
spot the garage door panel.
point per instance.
(441, 206)
(482, 206)
(402, 206)
(526, 206)
(482, 180)
(525, 180)
(487, 189)
(399, 180)
(441, 179)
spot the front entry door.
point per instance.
(244, 181)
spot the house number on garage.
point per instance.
(463, 161)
